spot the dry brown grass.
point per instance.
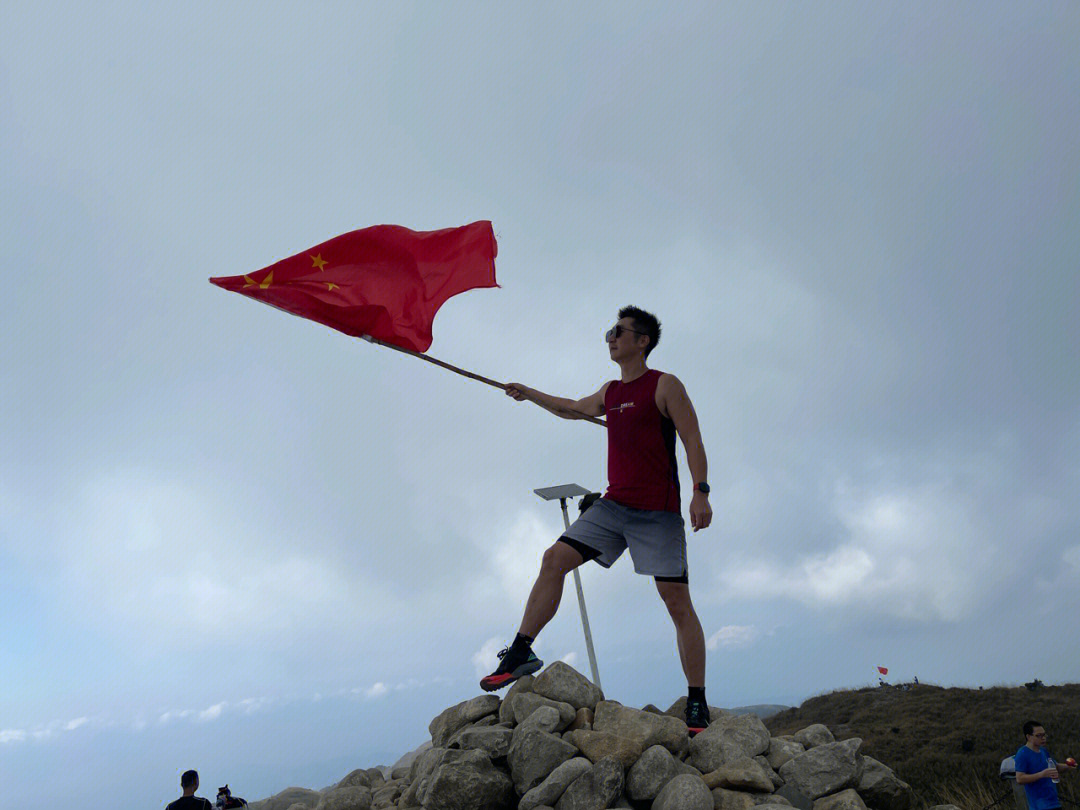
(921, 732)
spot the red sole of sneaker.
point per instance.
(493, 682)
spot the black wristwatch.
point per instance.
(702, 487)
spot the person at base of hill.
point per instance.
(189, 783)
(641, 510)
(1033, 769)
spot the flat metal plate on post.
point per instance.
(561, 491)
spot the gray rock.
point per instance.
(549, 791)
(353, 797)
(724, 799)
(442, 728)
(684, 793)
(583, 719)
(469, 783)
(528, 702)
(795, 797)
(493, 741)
(844, 800)
(596, 745)
(598, 788)
(506, 708)
(654, 769)
(425, 763)
(824, 769)
(644, 728)
(741, 773)
(770, 798)
(882, 789)
(563, 683)
(774, 777)
(780, 751)
(727, 738)
(546, 719)
(287, 798)
(944, 807)
(534, 753)
(357, 778)
(814, 735)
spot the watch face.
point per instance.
(703, 488)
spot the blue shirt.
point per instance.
(1041, 795)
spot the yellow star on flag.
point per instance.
(318, 261)
(330, 287)
(262, 285)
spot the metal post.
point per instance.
(581, 604)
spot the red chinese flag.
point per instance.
(385, 281)
(883, 670)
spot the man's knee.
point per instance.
(677, 598)
(561, 558)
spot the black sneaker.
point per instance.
(511, 667)
(697, 716)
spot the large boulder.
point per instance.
(599, 787)
(727, 738)
(824, 769)
(469, 783)
(741, 773)
(844, 800)
(596, 745)
(528, 702)
(724, 799)
(684, 793)
(352, 797)
(814, 735)
(535, 752)
(442, 728)
(287, 798)
(563, 683)
(553, 787)
(780, 751)
(882, 789)
(644, 728)
(493, 741)
(653, 769)
(358, 778)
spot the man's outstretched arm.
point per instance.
(592, 405)
(674, 402)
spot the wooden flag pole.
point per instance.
(462, 371)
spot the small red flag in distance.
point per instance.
(883, 670)
(385, 281)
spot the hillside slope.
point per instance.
(920, 731)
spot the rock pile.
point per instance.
(554, 743)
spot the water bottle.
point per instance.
(1051, 764)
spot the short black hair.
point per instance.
(645, 322)
(1030, 726)
(189, 778)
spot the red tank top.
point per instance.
(642, 472)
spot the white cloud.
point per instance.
(76, 723)
(918, 553)
(377, 690)
(12, 735)
(183, 564)
(212, 712)
(732, 635)
(570, 658)
(486, 658)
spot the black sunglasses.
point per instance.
(615, 332)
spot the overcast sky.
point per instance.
(241, 542)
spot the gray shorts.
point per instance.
(657, 540)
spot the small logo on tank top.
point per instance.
(623, 406)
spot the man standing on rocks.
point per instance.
(1036, 771)
(645, 408)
